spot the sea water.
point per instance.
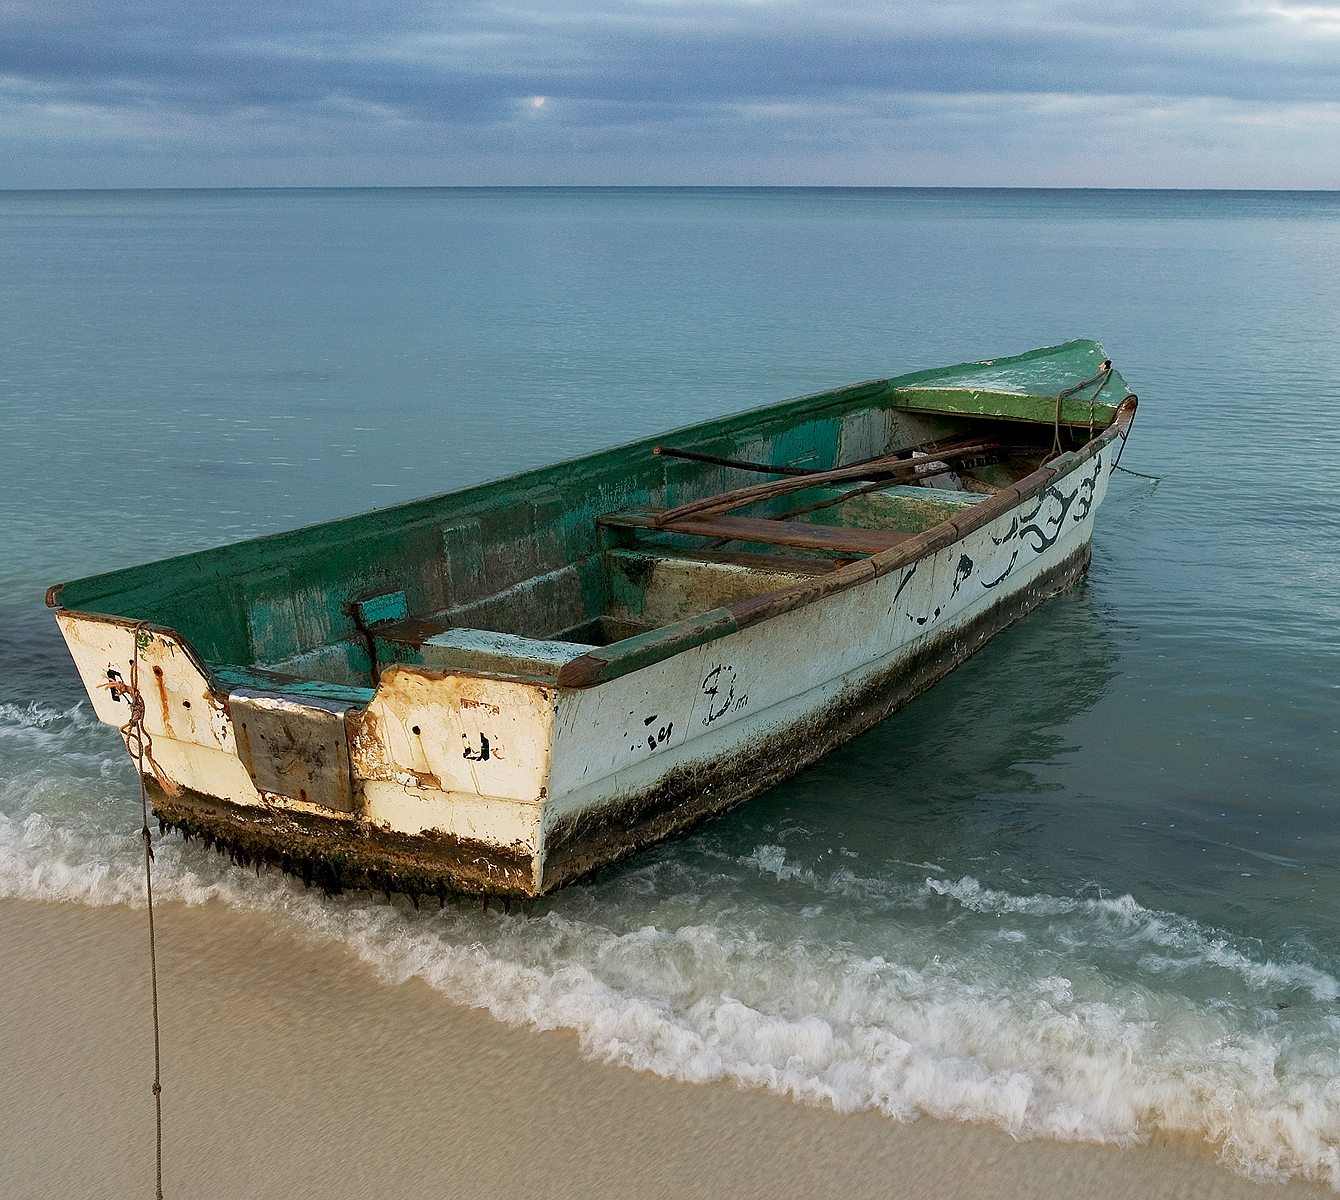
(1087, 888)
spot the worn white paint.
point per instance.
(493, 820)
(612, 739)
(456, 733)
(178, 703)
(500, 761)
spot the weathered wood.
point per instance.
(412, 632)
(765, 532)
(468, 778)
(757, 560)
(933, 449)
(1003, 406)
(895, 468)
(610, 662)
(980, 487)
(741, 464)
(772, 604)
(830, 502)
(815, 507)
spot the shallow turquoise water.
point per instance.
(1087, 887)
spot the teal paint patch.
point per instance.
(228, 677)
(389, 606)
(390, 652)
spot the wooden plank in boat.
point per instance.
(763, 531)
(413, 631)
(756, 560)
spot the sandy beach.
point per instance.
(291, 1070)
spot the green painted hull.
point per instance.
(532, 582)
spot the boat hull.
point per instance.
(743, 712)
(784, 743)
(340, 854)
(474, 762)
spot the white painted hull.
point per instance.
(516, 787)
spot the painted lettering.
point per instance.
(480, 755)
(655, 738)
(961, 573)
(719, 688)
(115, 684)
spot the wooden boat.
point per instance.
(502, 689)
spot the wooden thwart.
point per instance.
(756, 529)
(935, 447)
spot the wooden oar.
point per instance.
(738, 463)
(741, 464)
(815, 507)
(739, 497)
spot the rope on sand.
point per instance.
(140, 745)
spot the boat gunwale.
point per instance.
(641, 650)
(621, 658)
(333, 530)
(336, 529)
(629, 654)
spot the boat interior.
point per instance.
(516, 577)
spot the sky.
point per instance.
(976, 93)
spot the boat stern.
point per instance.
(433, 783)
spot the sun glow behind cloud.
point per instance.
(1318, 18)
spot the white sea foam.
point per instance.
(40, 729)
(969, 893)
(772, 859)
(1069, 1017)
(1036, 1045)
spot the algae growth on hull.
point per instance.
(411, 752)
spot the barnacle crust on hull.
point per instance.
(498, 691)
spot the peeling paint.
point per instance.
(499, 690)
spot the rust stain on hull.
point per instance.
(163, 702)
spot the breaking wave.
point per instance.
(898, 990)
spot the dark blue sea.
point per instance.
(1086, 888)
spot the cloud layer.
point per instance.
(990, 92)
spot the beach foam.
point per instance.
(1067, 1017)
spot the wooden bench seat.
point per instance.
(413, 631)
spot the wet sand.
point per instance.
(291, 1071)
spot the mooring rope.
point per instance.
(1104, 374)
(140, 745)
(1140, 474)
